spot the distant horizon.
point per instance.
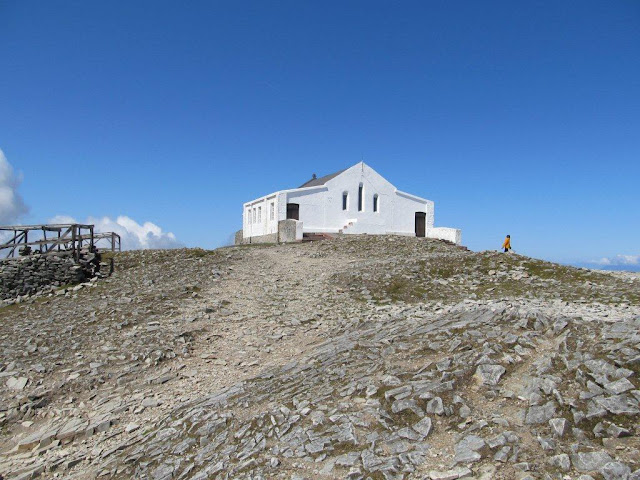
(130, 235)
(614, 268)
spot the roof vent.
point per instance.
(313, 177)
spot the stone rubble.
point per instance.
(360, 357)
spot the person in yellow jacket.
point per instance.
(507, 244)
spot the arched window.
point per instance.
(360, 194)
(345, 200)
(375, 202)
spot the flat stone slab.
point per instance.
(619, 405)
(558, 426)
(452, 474)
(590, 461)
(540, 414)
(71, 429)
(615, 471)
(467, 449)
(423, 427)
(489, 374)
(619, 386)
(17, 383)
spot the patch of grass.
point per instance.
(200, 252)
(397, 286)
(447, 275)
(342, 448)
(444, 271)
(405, 418)
(377, 475)
(8, 309)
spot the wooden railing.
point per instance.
(47, 238)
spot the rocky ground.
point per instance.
(360, 357)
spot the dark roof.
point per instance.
(314, 182)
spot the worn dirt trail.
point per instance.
(266, 314)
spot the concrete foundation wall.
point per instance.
(287, 231)
(269, 238)
(28, 275)
(453, 235)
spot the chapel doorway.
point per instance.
(421, 218)
(293, 211)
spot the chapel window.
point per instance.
(345, 201)
(272, 211)
(375, 202)
(259, 214)
(360, 193)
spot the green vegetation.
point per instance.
(200, 252)
(450, 275)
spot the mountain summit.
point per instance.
(358, 357)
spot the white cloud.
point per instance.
(619, 260)
(133, 236)
(62, 219)
(11, 204)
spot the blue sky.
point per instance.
(514, 117)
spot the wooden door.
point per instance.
(421, 218)
(293, 211)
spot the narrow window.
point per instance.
(272, 212)
(259, 214)
(360, 191)
(375, 202)
(254, 215)
(345, 201)
(293, 211)
(249, 216)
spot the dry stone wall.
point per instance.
(34, 273)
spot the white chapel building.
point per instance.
(352, 201)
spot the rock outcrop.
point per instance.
(361, 357)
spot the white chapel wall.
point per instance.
(405, 208)
(365, 220)
(321, 208)
(312, 202)
(257, 219)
